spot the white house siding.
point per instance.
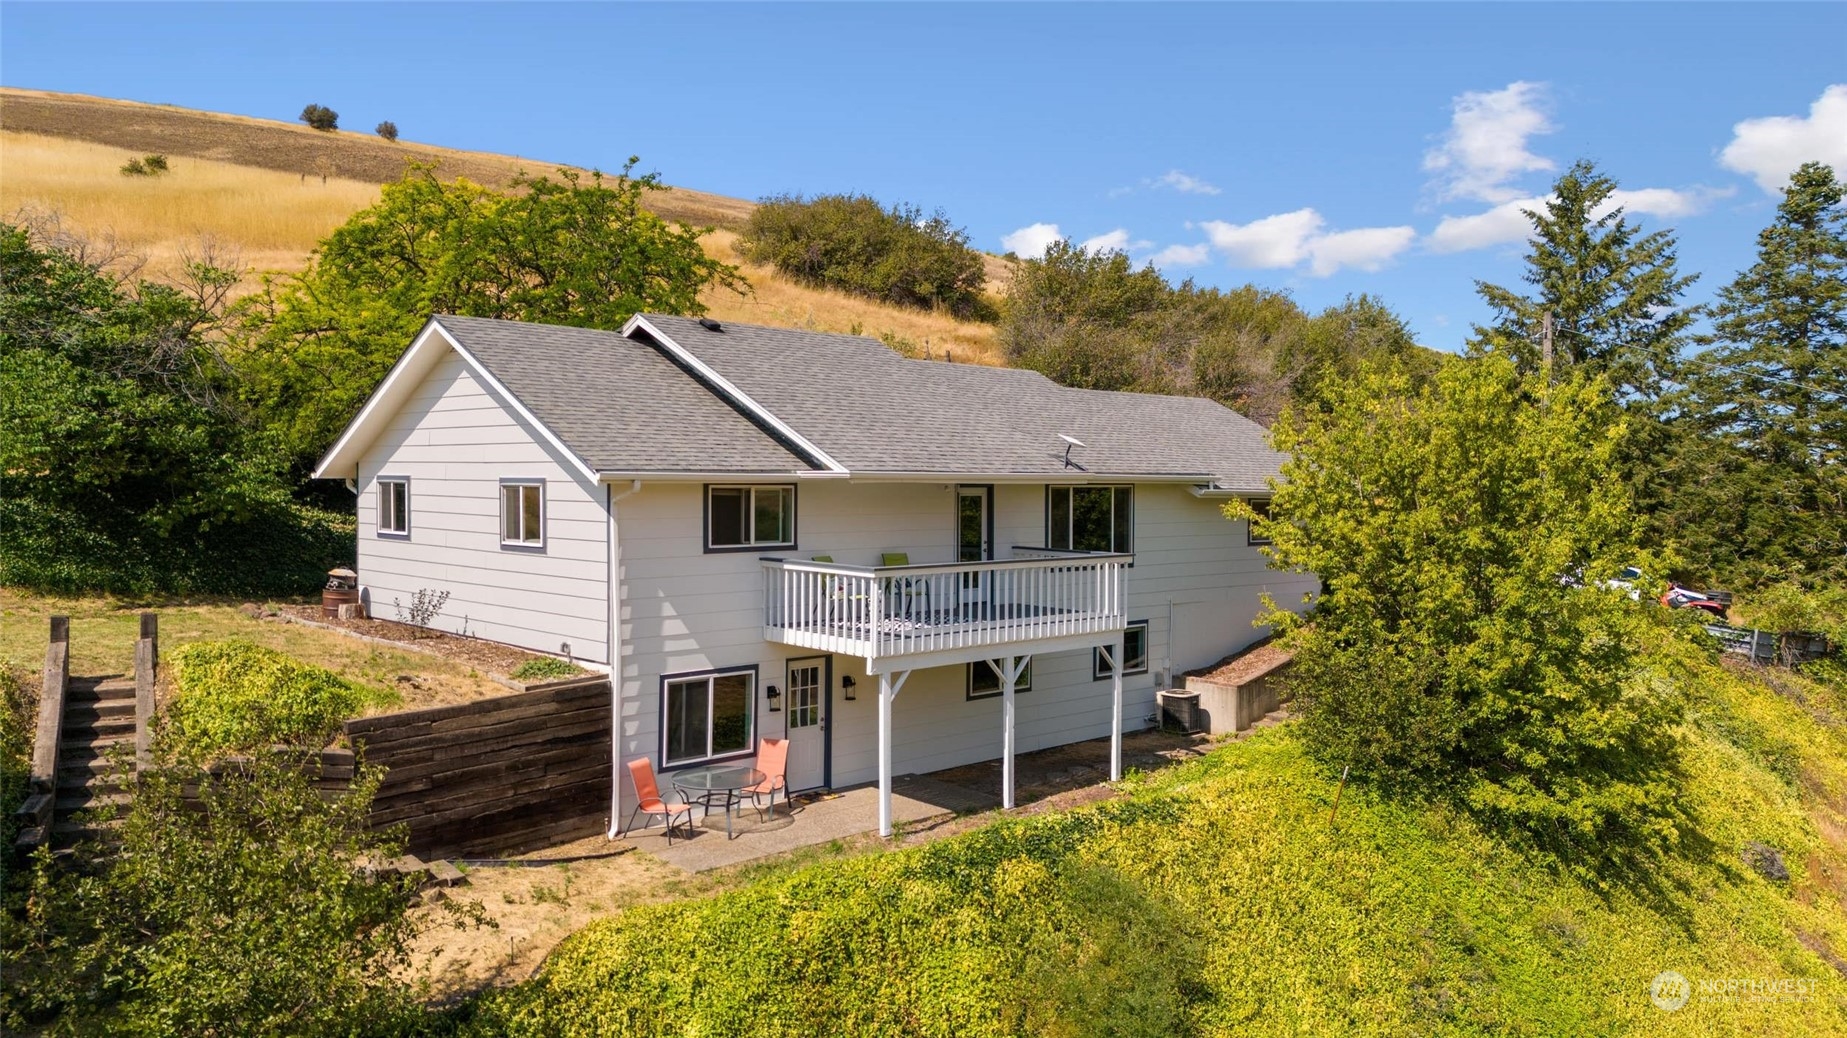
(688, 611)
(455, 441)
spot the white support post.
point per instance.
(1009, 671)
(1115, 714)
(888, 691)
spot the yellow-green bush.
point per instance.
(233, 695)
(1217, 899)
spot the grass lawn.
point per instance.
(1218, 898)
(103, 633)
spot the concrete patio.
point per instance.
(916, 799)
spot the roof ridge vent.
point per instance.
(710, 325)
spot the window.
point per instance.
(522, 514)
(393, 506)
(1260, 505)
(742, 518)
(707, 716)
(1134, 652)
(984, 680)
(1090, 518)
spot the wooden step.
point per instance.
(77, 713)
(108, 693)
(89, 728)
(70, 801)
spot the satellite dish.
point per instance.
(1070, 442)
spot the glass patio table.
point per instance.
(716, 785)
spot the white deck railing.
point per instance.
(884, 611)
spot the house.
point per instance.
(900, 565)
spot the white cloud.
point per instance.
(1110, 241)
(1507, 223)
(1504, 223)
(1287, 239)
(1031, 241)
(1182, 255)
(1367, 248)
(1274, 241)
(1486, 143)
(1768, 150)
(1185, 183)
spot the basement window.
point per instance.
(707, 716)
(1134, 651)
(984, 680)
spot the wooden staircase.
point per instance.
(92, 737)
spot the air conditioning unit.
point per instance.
(1180, 710)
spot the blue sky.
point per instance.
(1324, 149)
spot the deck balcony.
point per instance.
(902, 617)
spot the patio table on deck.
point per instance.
(716, 785)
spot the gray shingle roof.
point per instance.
(877, 412)
(619, 404)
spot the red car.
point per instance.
(1677, 597)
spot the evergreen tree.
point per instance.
(1613, 292)
(1770, 397)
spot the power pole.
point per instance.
(1545, 347)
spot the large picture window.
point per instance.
(393, 506)
(1090, 518)
(738, 518)
(707, 716)
(522, 514)
(984, 680)
(1134, 653)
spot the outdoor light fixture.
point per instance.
(775, 698)
(846, 686)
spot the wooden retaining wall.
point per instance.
(499, 776)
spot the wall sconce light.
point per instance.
(846, 686)
(775, 698)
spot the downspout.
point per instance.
(615, 659)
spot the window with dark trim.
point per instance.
(1134, 652)
(1260, 505)
(742, 518)
(984, 680)
(393, 506)
(1090, 518)
(709, 715)
(522, 513)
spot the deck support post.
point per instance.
(1115, 652)
(889, 687)
(1008, 668)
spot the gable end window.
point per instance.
(984, 680)
(522, 513)
(393, 506)
(1134, 652)
(708, 716)
(749, 517)
(1090, 518)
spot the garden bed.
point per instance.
(492, 658)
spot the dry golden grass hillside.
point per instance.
(255, 187)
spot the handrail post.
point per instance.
(147, 656)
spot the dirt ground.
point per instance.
(492, 657)
(1241, 667)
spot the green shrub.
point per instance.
(18, 724)
(387, 130)
(545, 667)
(232, 695)
(320, 117)
(145, 166)
(852, 243)
(235, 905)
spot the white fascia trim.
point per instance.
(724, 386)
(716, 477)
(359, 421)
(505, 394)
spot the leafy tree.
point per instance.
(126, 463)
(566, 251)
(1613, 291)
(235, 903)
(900, 255)
(1089, 320)
(320, 117)
(387, 130)
(1465, 644)
(1338, 342)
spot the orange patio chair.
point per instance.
(649, 802)
(773, 761)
